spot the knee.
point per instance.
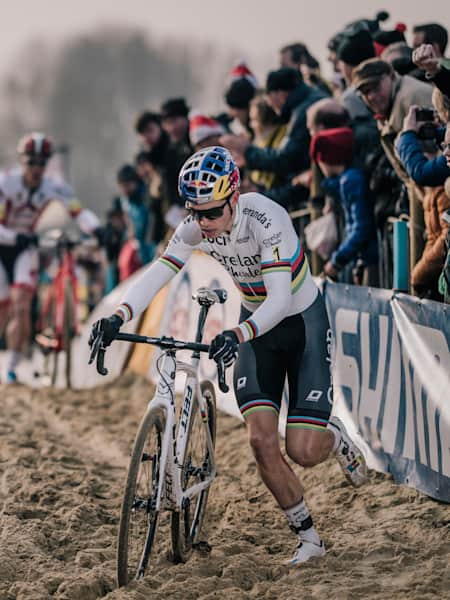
(307, 455)
(266, 448)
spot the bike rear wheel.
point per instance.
(186, 524)
(47, 340)
(139, 517)
(68, 330)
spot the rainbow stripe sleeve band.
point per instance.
(172, 262)
(249, 329)
(125, 312)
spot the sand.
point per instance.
(63, 459)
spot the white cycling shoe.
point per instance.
(305, 551)
(349, 456)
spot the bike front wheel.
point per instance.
(186, 524)
(139, 517)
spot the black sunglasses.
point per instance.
(211, 213)
(36, 162)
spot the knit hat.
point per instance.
(202, 127)
(382, 39)
(370, 72)
(127, 173)
(174, 107)
(335, 41)
(372, 25)
(332, 146)
(285, 79)
(240, 93)
(242, 86)
(241, 71)
(356, 45)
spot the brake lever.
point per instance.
(101, 361)
(95, 347)
(98, 350)
(221, 377)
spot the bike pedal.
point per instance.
(203, 547)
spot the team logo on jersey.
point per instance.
(314, 396)
(261, 217)
(241, 383)
(273, 240)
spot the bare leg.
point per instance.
(4, 312)
(19, 325)
(311, 447)
(278, 476)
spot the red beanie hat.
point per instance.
(202, 127)
(332, 146)
(241, 71)
(382, 39)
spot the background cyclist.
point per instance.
(24, 193)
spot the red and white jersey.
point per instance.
(20, 207)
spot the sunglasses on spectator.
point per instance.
(36, 162)
(211, 213)
(445, 147)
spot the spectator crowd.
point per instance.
(348, 157)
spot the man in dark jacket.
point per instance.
(174, 118)
(290, 97)
(426, 58)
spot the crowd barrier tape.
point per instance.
(392, 382)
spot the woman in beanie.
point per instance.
(242, 86)
(332, 151)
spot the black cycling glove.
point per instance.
(24, 240)
(109, 327)
(224, 347)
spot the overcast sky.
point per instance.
(258, 27)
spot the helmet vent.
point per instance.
(214, 166)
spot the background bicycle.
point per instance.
(58, 299)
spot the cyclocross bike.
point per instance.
(58, 320)
(172, 462)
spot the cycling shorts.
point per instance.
(299, 349)
(18, 268)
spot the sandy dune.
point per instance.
(63, 457)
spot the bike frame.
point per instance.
(174, 442)
(171, 496)
(56, 293)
